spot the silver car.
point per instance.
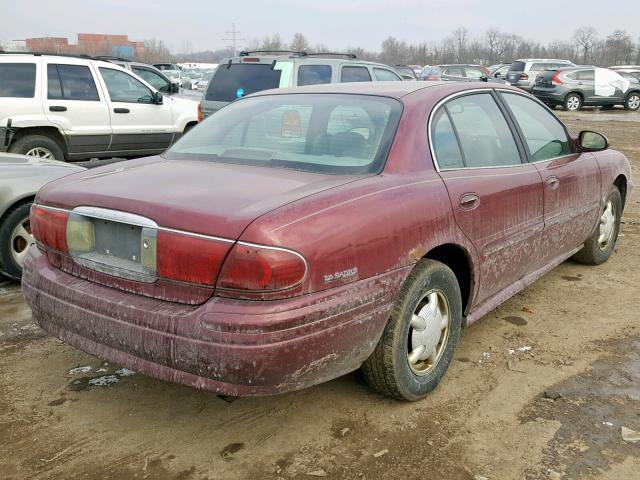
(20, 179)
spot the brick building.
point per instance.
(89, 43)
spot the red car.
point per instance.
(298, 235)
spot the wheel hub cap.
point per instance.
(573, 103)
(21, 240)
(607, 226)
(40, 152)
(428, 333)
(634, 102)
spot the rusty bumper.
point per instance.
(232, 347)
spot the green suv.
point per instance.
(252, 72)
(575, 87)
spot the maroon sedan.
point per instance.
(298, 235)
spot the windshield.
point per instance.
(342, 134)
(517, 67)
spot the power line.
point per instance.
(234, 39)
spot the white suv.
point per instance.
(73, 108)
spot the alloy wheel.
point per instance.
(40, 152)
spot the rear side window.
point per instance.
(355, 74)
(472, 72)
(538, 67)
(543, 134)
(485, 137)
(241, 79)
(383, 75)
(314, 74)
(454, 72)
(17, 80)
(517, 67)
(445, 143)
(71, 82)
(587, 75)
(572, 75)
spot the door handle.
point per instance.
(121, 110)
(57, 108)
(469, 201)
(553, 182)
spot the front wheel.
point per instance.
(15, 240)
(572, 103)
(599, 246)
(632, 102)
(421, 335)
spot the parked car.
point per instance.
(630, 73)
(255, 71)
(460, 73)
(575, 87)
(406, 72)
(500, 70)
(302, 233)
(148, 73)
(190, 79)
(167, 66)
(201, 85)
(20, 178)
(523, 72)
(73, 108)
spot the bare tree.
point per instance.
(619, 47)
(585, 38)
(460, 39)
(273, 43)
(299, 43)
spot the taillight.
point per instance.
(189, 258)
(432, 77)
(257, 268)
(524, 76)
(199, 112)
(556, 78)
(49, 227)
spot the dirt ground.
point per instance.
(553, 409)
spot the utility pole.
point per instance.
(234, 39)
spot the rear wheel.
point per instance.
(632, 102)
(37, 146)
(572, 102)
(599, 246)
(15, 240)
(421, 335)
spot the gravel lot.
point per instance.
(539, 388)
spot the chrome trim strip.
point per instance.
(53, 209)
(115, 216)
(197, 235)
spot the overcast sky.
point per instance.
(201, 25)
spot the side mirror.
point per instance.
(157, 98)
(175, 88)
(589, 141)
(484, 78)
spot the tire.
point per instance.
(388, 370)
(30, 144)
(632, 101)
(597, 250)
(572, 103)
(14, 242)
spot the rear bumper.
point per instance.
(225, 346)
(549, 97)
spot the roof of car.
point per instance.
(542, 60)
(383, 89)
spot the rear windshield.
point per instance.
(240, 79)
(329, 133)
(17, 80)
(517, 67)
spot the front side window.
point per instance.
(544, 136)
(485, 137)
(71, 82)
(454, 72)
(17, 80)
(122, 87)
(383, 75)
(331, 133)
(152, 78)
(472, 72)
(314, 74)
(355, 74)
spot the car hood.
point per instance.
(196, 196)
(15, 159)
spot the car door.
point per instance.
(76, 104)
(585, 80)
(139, 124)
(354, 73)
(571, 180)
(497, 198)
